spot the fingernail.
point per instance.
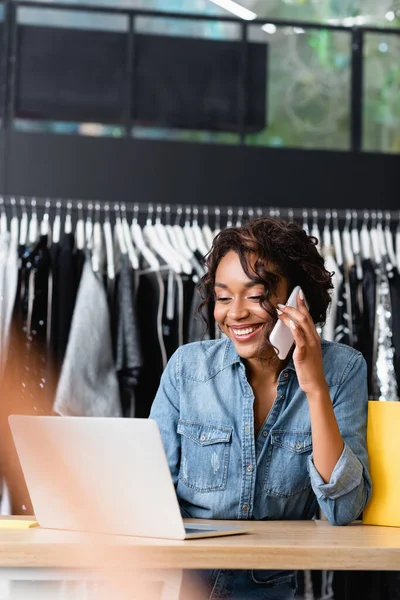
(279, 311)
(281, 306)
(301, 294)
(292, 325)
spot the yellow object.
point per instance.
(383, 439)
(17, 524)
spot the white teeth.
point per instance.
(245, 331)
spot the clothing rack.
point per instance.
(232, 212)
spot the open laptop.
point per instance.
(104, 475)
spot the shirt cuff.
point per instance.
(346, 476)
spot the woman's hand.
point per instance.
(307, 355)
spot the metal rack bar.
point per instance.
(180, 209)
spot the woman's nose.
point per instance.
(238, 310)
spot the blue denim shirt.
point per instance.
(221, 470)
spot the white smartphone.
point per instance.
(281, 336)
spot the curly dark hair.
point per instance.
(283, 250)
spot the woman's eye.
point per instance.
(222, 299)
(255, 298)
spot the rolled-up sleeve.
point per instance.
(343, 498)
(165, 411)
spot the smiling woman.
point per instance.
(250, 436)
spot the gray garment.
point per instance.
(128, 353)
(88, 384)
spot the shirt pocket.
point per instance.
(287, 471)
(205, 450)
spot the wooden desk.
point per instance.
(271, 545)
(33, 557)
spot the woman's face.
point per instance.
(237, 306)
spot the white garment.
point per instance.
(328, 330)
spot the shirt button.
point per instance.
(286, 374)
(247, 430)
(282, 397)
(245, 507)
(299, 445)
(203, 437)
(249, 468)
(265, 433)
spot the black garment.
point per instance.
(67, 289)
(342, 327)
(149, 304)
(394, 284)
(127, 351)
(189, 287)
(368, 316)
(26, 385)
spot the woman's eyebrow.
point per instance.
(249, 284)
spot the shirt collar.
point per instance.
(231, 356)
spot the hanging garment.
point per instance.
(394, 285)
(88, 384)
(128, 352)
(368, 317)
(328, 332)
(149, 310)
(357, 309)
(67, 290)
(9, 296)
(342, 325)
(172, 321)
(25, 388)
(384, 384)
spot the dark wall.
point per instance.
(131, 170)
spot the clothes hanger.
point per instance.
(217, 214)
(207, 232)
(184, 248)
(365, 238)
(337, 241)
(375, 241)
(346, 241)
(198, 234)
(68, 219)
(80, 229)
(172, 235)
(180, 235)
(119, 233)
(57, 224)
(14, 225)
(229, 217)
(128, 239)
(356, 245)
(290, 215)
(109, 243)
(188, 231)
(168, 248)
(389, 239)
(97, 244)
(45, 222)
(23, 232)
(3, 218)
(315, 230)
(305, 222)
(33, 224)
(326, 234)
(142, 247)
(89, 227)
